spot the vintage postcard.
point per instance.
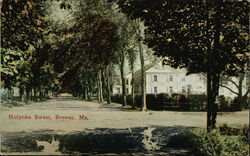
(125, 77)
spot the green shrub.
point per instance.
(214, 143)
(152, 102)
(138, 100)
(198, 101)
(183, 102)
(223, 103)
(207, 144)
(129, 100)
(116, 98)
(169, 100)
(163, 101)
(239, 103)
(233, 130)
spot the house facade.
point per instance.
(165, 79)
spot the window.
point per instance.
(170, 78)
(189, 89)
(127, 81)
(155, 78)
(127, 90)
(155, 90)
(118, 90)
(171, 90)
(183, 90)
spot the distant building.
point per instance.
(165, 79)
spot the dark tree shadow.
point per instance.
(168, 139)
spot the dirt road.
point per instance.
(71, 125)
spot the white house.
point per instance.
(165, 79)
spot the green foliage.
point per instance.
(183, 102)
(215, 143)
(153, 102)
(64, 53)
(198, 101)
(192, 102)
(21, 23)
(224, 104)
(184, 31)
(239, 103)
(10, 60)
(117, 98)
(234, 130)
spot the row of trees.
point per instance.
(77, 53)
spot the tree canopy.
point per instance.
(184, 32)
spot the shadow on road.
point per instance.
(140, 140)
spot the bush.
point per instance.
(183, 102)
(223, 103)
(226, 130)
(163, 101)
(162, 97)
(138, 100)
(239, 103)
(152, 102)
(216, 143)
(207, 144)
(116, 98)
(129, 100)
(198, 102)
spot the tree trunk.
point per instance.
(32, 94)
(108, 86)
(215, 92)
(209, 77)
(209, 104)
(133, 87)
(241, 78)
(212, 93)
(85, 93)
(101, 86)
(21, 90)
(98, 88)
(124, 99)
(40, 93)
(214, 64)
(9, 95)
(46, 93)
(27, 94)
(143, 76)
(35, 93)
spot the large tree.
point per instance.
(202, 36)
(22, 27)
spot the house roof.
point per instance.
(147, 67)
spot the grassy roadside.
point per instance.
(222, 141)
